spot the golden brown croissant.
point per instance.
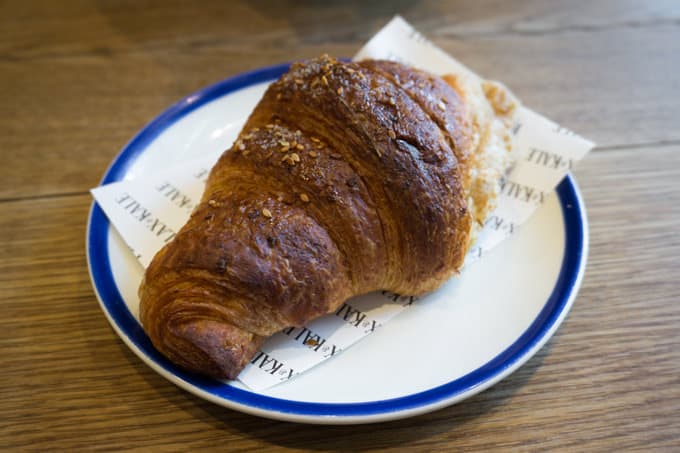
(347, 178)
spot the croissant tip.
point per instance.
(215, 348)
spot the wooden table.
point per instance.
(78, 79)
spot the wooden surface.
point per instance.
(78, 79)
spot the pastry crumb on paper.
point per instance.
(148, 212)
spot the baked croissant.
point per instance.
(347, 178)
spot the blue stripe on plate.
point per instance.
(112, 301)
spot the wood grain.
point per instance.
(94, 79)
(609, 377)
(78, 79)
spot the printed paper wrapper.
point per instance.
(147, 212)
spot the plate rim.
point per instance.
(130, 331)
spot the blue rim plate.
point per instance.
(513, 356)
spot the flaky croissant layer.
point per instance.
(347, 178)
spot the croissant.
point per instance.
(346, 178)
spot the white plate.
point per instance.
(458, 341)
